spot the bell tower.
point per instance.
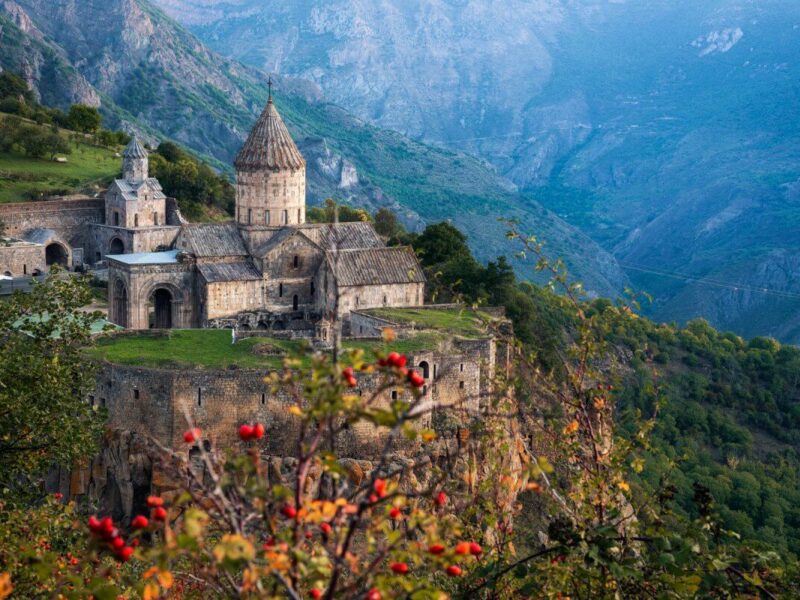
(270, 175)
(134, 162)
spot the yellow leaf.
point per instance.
(624, 486)
(296, 411)
(571, 428)
(5, 585)
(165, 579)
(234, 547)
(151, 591)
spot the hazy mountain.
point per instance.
(150, 74)
(665, 129)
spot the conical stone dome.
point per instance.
(270, 145)
(134, 149)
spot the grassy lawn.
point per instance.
(88, 165)
(212, 349)
(457, 321)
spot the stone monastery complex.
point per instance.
(267, 269)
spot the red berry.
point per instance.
(475, 549)
(290, 512)
(73, 561)
(373, 499)
(347, 373)
(454, 571)
(316, 594)
(393, 359)
(245, 432)
(117, 543)
(58, 496)
(440, 499)
(400, 568)
(309, 535)
(154, 501)
(270, 543)
(139, 522)
(326, 528)
(192, 435)
(436, 549)
(380, 487)
(135, 543)
(352, 382)
(373, 594)
(125, 553)
(462, 548)
(107, 526)
(258, 431)
(382, 362)
(395, 513)
(94, 524)
(160, 513)
(416, 379)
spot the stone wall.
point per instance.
(271, 198)
(376, 296)
(289, 270)
(18, 259)
(227, 298)
(69, 217)
(144, 211)
(147, 239)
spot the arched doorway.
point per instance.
(120, 303)
(56, 254)
(116, 247)
(160, 309)
(425, 368)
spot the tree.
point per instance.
(45, 380)
(331, 212)
(440, 243)
(386, 223)
(82, 118)
(14, 86)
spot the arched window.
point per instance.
(426, 369)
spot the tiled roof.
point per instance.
(221, 272)
(376, 266)
(130, 190)
(270, 145)
(276, 239)
(342, 236)
(134, 149)
(217, 239)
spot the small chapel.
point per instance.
(266, 269)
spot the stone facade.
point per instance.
(19, 258)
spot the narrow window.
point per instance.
(357, 300)
(266, 217)
(91, 400)
(385, 301)
(249, 215)
(136, 220)
(462, 367)
(135, 394)
(461, 384)
(295, 302)
(394, 394)
(263, 398)
(296, 261)
(286, 217)
(424, 389)
(312, 288)
(280, 291)
(199, 397)
(298, 214)
(24, 269)
(116, 218)
(435, 368)
(155, 218)
(103, 402)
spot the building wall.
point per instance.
(149, 239)
(22, 259)
(69, 217)
(292, 267)
(228, 298)
(263, 196)
(376, 296)
(144, 212)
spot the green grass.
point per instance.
(457, 321)
(212, 349)
(87, 166)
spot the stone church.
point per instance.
(266, 269)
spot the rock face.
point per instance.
(665, 129)
(155, 78)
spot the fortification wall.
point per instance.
(69, 217)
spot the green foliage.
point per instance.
(191, 182)
(14, 86)
(46, 416)
(331, 212)
(82, 118)
(386, 223)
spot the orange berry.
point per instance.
(440, 499)
(462, 548)
(192, 435)
(380, 487)
(154, 501)
(258, 431)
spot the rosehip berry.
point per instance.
(117, 543)
(416, 379)
(352, 382)
(400, 568)
(454, 571)
(326, 528)
(135, 543)
(436, 549)
(347, 373)
(125, 553)
(139, 522)
(373, 594)
(316, 594)
(380, 487)
(270, 543)
(440, 499)
(258, 431)
(154, 501)
(160, 513)
(290, 512)
(73, 561)
(58, 496)
(192, 435)
(395, 513)
(245, 432)
(107, 526)
(94, 524)
(309, 535)
(373, 499)
(382, 362)
(462, 548)
(475, 549)
(393, 359)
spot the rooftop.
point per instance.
(146, 258)
(269, 146)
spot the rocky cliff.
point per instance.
(665, 129)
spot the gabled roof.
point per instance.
(222, 272)
(376, 266)
(342, 236)
(207, 240)
(134, 149)
(130, 190)
(270, 145)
